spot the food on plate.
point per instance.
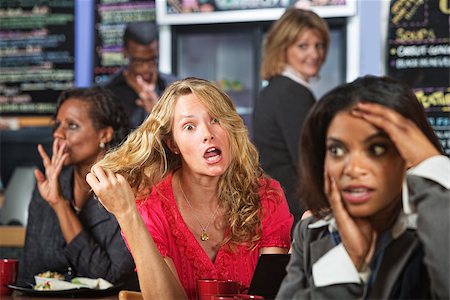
(53, 281)
(42, 286)
(96, 284)
(56, 285)
(50, 274)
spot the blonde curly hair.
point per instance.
(144, 159)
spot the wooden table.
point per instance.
(12, 236)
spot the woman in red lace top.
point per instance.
(200, 193)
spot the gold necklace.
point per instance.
(204, 236)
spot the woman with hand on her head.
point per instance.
(374, 177)
(204, 209)
(294, 51)
(67, 231)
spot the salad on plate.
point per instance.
(53, 281)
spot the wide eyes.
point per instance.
(192, 125)
(373, 150)
(188, 126)
(335, 151)
(378, 150)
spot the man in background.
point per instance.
(139, 84)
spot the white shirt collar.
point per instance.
(435, 168)
(291, 73)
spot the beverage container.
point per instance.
(207, 288)
(8, 274)
(236, 297)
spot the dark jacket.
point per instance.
(97, 251)
(278, 118)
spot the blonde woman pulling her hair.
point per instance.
(189, 194)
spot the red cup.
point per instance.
(236, 297)
(222, 297)
(245, 297)
(207, 288)
(8, 274)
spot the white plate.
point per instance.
(81, 292)
(57, 284)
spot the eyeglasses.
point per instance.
(138, 61)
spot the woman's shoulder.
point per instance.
(313, 228)
(283, 82)
(276, 218)
(271, 193)
(279, 84)
(268, 184)
(281, 88)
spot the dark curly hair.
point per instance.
(105, 110)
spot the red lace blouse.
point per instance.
(173, 238)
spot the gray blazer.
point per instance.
(416, 264)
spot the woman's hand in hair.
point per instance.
(112, 190)
(357, 234)
(48, 184)
(412, 144)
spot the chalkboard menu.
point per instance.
(110, 21)
(419, 54)
(181, 12)
(199, 6)
(36, 54)
(196, 6)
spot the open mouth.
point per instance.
(357, 194)
(212, 154)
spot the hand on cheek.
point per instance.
(357, 234)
